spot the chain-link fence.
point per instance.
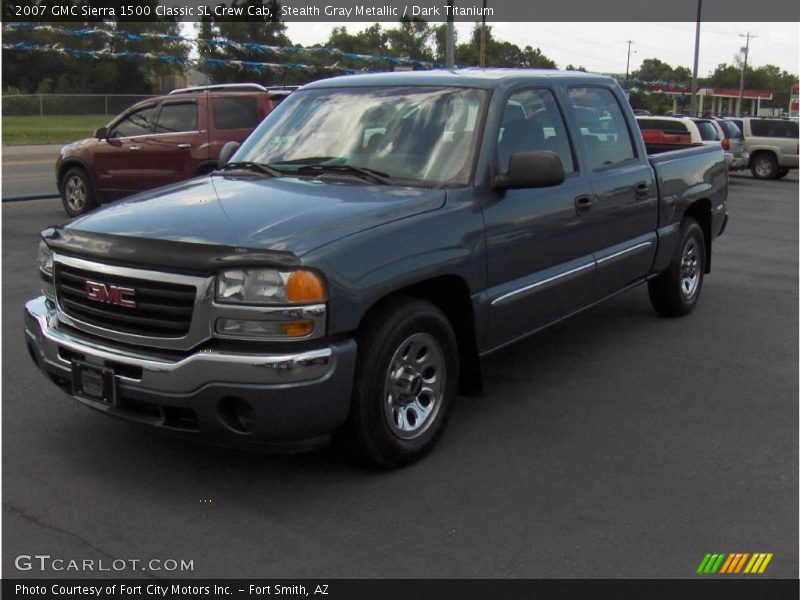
(42, 105)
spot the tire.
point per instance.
(764, 166)
(406, 381)
(77, 194)
(782, 173)
(674, 292)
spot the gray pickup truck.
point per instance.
(344, 271)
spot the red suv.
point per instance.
(159, 141)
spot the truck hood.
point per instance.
(281, 214)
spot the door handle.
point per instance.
(184, 146)
(583, 204)
(642, 189)
(134, 148)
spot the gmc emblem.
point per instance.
(110, 294)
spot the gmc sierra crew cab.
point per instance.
(345, 269)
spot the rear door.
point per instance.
(234, 117)
(782, 135)
(624, 197)
(176, 149)
(540, 263)
(118, 164)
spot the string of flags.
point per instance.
(220, 42)
(247, 65)
(291, 52)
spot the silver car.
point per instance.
(772, 145)
(739, 158)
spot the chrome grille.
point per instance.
(162, 309)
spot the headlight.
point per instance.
(269, 286)
(45, 258)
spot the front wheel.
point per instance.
(674, 292)
(782, 173)
(76, 192)
(406, 380)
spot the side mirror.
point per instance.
(225, 154)
(540, 168)
(101, 134)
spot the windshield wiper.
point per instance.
(363, 172)
(253, 166)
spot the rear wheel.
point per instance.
(675, 292)
(764, 166)
(76, 192)
(406, 380)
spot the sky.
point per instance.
(602, 47)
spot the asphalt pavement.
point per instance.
(616, 444)
(29, 170)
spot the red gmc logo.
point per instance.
(110, 294)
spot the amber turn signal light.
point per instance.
(304, 286)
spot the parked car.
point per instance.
(360, 252)
(159, 141)
(668, 130)
(712, 133)
(772, 145)
(733, 145)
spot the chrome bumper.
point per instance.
(294, 395)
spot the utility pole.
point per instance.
(483, 37)
(451, 33)
(693, 99)
(628, 64)
(744, 68)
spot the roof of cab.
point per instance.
(479, 78)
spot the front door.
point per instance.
(119, 161)
(540, 261)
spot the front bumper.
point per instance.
(290, 397)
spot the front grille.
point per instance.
(162, 309)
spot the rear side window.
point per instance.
(773, 128)
(532, 121)
(602, 124)
(175, 118)
(236, 112)
(662, 125)
(139, 122)
(708, 132)
(730, 129)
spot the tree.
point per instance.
(411, 40)
(67, 71)
(245, 43)
(501, 54)
(652, 69)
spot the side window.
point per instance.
(772, 128)
(175, 118)
(139, 122)
(708, 132)
(236, 112)
(602, 124)
(532, 121)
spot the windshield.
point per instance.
(413, 135)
